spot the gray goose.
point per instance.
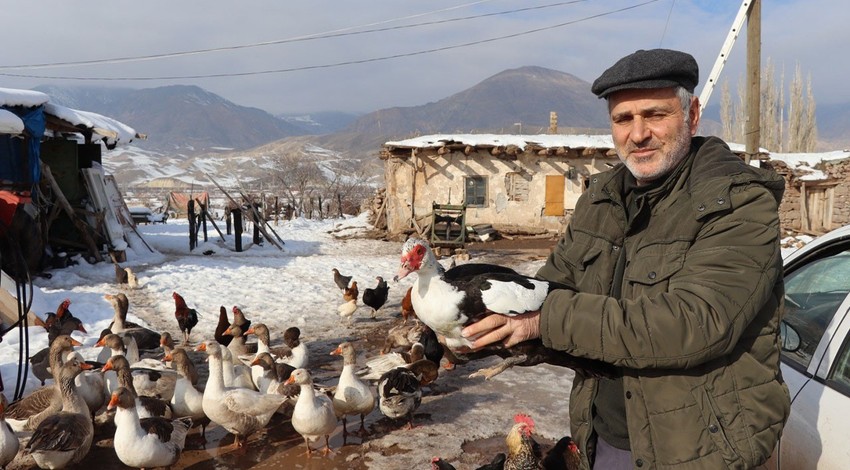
(187, 400)
(145, 337)
(64, 438)
(26, 413)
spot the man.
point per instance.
(675, 262)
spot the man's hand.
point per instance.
(510, 330)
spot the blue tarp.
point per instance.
(13, 155)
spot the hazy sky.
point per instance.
(398, 52)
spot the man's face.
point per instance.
(650, 132)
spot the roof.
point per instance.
(543, 144)
(25, 98)
(10, 123)
(101, 127)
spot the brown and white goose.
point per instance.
(147, 406)
(145, 442)
(90, 384)
(146, 338)
(26, 413)
(352, 395)
(238, 410)
(64, 438)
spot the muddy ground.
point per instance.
(461, 419)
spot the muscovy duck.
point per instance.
(447, 301)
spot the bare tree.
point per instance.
(796, 111)
(299, 179)
(809, 139)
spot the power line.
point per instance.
(326, 35)
(338, 64)
(669, 14)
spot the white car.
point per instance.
(816, 355)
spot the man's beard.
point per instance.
(669, 160)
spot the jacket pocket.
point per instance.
(650, 268)
(714, 428)
(580, 257)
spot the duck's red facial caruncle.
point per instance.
(411, 261)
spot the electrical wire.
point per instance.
(339, 64)
(669, 14)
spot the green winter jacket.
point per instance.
(695, 329)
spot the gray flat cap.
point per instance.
(655, 68)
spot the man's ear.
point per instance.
(693, 115)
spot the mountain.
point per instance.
(181, 118)
(524, 95)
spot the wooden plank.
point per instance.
(554, 202)
(81, 226)
(262, 229)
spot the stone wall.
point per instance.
(837, 177)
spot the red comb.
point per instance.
(524, 419)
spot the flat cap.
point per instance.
(655, 68)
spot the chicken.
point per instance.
(565, 455)
(187, 317)
(407, 306)
(340, 280)
(376, 297)
(403, 336)
(523, 451)
(120, 274)
(346, 310)
(239, 319)
(351, 292)
(447, 301)
(221, 327)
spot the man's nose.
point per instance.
(640, 131)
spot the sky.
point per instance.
(285, 57)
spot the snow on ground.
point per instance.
(295, 287)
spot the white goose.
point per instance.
(187, 400)
(235, 375)
(157, 444)
(64, 438)
(313, 416)
(90, 384)
(9, 442)
(240, 411)
(352, 395)
(146, 406)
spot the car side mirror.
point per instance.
(789, 337)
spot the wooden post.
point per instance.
(804, 213)
(203, 216)
(193, 233)
(81, 226)
(257, 223)
(228, 217)
(553, 122)
(752, 130)
(237, 227)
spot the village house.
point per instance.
(525, 183)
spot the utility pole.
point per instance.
(752, 129)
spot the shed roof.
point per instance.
(543, 144)
(10, 123)
(65, 119)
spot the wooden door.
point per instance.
(554, 195)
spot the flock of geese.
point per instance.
(148, 388)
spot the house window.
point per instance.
(516, 185)
(475, 191)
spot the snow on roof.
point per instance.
(102, 126)
(10, 123)
(496, 140)
(26, 98)
(805, 162)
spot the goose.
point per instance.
(26, 413)
(313, 416)
(64, 438)
(376, 366)
(221, 327)
(167, 344)
(352, 396)
(238, 346)
(90, 384)
(298, 356)
(240, 411)
(145, 337)
(148, 442)
(9, 442)
(273, 380)
(236, 375)
(146, 406)
(187, 400)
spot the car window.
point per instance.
(812, 294)
(840, 374)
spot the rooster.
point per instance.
(498, 463)
(221, 327)
(351, 293)
(187, 317)
(447, 301)
(376, 297)
(523, 451)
